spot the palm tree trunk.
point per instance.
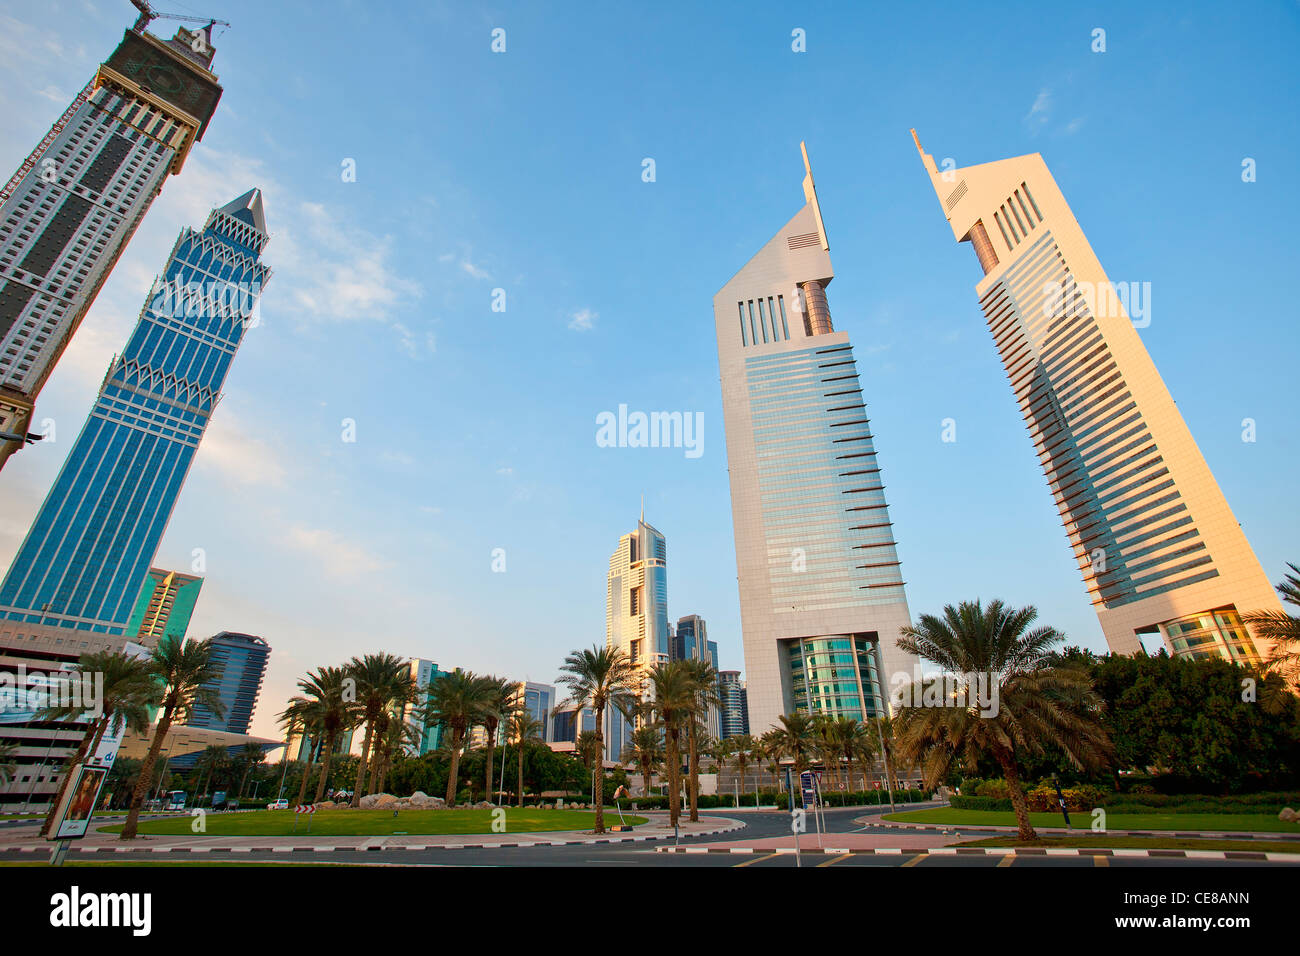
(674, 761)
(491, 750)
(361, 764)
(453, 769)
(645, 780)
(132, 825)
(693, 770)
(598, 793)
(1007, 761)
(521, 773)
(306, 774)
(93, 732)
(325, 768)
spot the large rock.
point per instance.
(326, 805)
(422, 801)
(377, 801)
(1288, 815)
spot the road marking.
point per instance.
(758, 859)
(1007, 860)
(915, 860)
(1100, 860)
(834, 860)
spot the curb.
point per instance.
(999, 851)
(318, 848)
(954, 828)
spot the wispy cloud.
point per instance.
(231, 449)
(337, 556)
(1041, 111)
(584, 320)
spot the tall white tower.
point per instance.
(821, 589)
(1158, 547)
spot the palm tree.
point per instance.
(326, 687)
(646, 749)
(598, 678)
(743, 750)
(591, 751)
(794, 739)
(188, 674)
(456, 701)
(1282, 629)
(8, 766)
(769, 745)
(129, 690)
(1037, 705)
(380, 679)
(674, 692)
(855, 744)
(307, 715)
(521, 727)
(826, 741)
(498, 697)
(397, 736)
(250, 755)
(705, 679)
(210, 762)
(719, 751)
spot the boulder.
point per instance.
(377, 801)
(1289, 816)
(326, 805)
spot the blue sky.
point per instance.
(522, 171)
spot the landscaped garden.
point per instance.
(1120, 820)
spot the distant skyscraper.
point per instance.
(539, 700)
(636, 600)
(423, 673)
(821, 591)
(636, 609)
(1157, 545)
(735, 715)
(163, 607)
(691, 640)
(95, 536)
(242, 659)
(72, 206)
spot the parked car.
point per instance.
(278, 805)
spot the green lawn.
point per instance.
(1216, 822)
(1103, 842)
(380, 822)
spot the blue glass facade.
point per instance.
(242, 659)
(829, 539)
(94, 538)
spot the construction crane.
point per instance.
(149, 14)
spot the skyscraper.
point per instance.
(636, 598)
(735, 713)
(163, 607)
(423, 673)
(1158, 547)
(94, 538)
(636, 612)
(821, 590)
(72, 206)
(539, 701)
(242, 659)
